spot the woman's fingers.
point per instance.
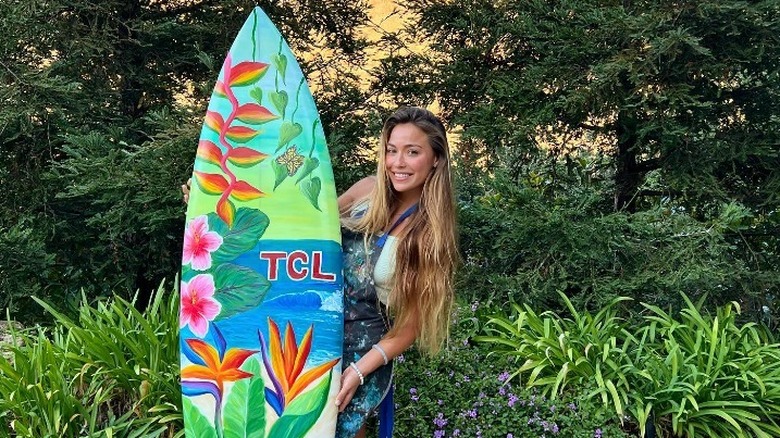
(349, 384)
(185, 190)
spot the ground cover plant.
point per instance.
(467, 392)
(692, 374)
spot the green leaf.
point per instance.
(311, 189)
(244, 413)
(238, 289)
(280, 61)
(248, 227)
(309, 164)
(257, 94)
(195, 423)
(301, 414)
(280, 173)
(279, 99)
(287, 132)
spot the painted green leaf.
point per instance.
(301, 414)
(187, 273)
(280, 172)
(195, 423)
(244, 412)
(287, 132)
(238, 289)
(311, 188)
(280, 61)
(309, 164)
(279, 100)
(257, 94)
(248, 227)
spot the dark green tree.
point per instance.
(102, 105)
(672, 106)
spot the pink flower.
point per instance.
(198, 306)
(199, 243)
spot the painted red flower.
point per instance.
(199, 243)
(198, 305)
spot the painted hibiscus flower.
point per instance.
(199, 243)
(198, 305)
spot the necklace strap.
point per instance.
(383, 237)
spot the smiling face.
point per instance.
(409, 159)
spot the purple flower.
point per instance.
(438, 434)
(503, 377)
(400, 358)
(415, 398)
(481, 395)
(440, 402)
(440, 421)
(512, 400)
(412, 390)
(502, 391)
(456, 432)
(509, 435)
(466, 379)
(572, 406)
(597, 434)
(552, 408)
(554, 428)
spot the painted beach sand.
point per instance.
(261, 291)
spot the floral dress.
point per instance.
(365, 323)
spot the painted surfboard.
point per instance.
(261, 321)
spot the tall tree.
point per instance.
(674, 103)
(102, 104)
(686, 89)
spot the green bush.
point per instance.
(693, 375)
(466, 392)
(111, 371)
(524, 238)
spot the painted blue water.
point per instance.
(302, 302)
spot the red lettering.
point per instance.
(295, 273)
(273, 258)
(316, 269)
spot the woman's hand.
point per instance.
(349, 384)
(185, 190)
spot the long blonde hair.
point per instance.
(427, 253)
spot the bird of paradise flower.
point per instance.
(284, 361)
(211, 368)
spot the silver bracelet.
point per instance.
(381, 351)
(354, 366)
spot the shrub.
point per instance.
(112, 371)
(696, 374)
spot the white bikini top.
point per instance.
(384, 269)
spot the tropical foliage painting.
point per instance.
(261, 312)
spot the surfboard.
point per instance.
(261, 321)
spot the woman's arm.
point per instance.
(359, 190)
(393, 346)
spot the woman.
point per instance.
(400, 253)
